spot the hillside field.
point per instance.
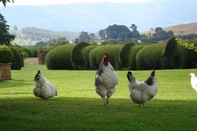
(181, 29)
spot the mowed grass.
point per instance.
(78, 107)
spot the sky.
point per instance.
(145, 13)
(49, 2)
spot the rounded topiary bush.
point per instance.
(150, 57)
(22, 60)
(85, 52)
(124, 54)
(96, 55)
(60, 57)
(6, 55)
(178, 55)
(132, 56)
(80, 56)
(17, 60)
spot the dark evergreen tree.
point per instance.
(5, 1)
(5, 36)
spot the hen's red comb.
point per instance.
(153, 72)
(107, 55)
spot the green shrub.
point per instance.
(80, 56)
(60, 57)
(85, 52)
(124, 54)
(6, 55)
(132, 56)
(96, 55)
(17, 60)
(150, 57)
(22, 60)
(179, 54)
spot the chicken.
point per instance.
(106, 79)
(193, 81)
(141, 92)
(43, 88)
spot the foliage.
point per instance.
(22, 59)
(132, 56)
(6, 1)
(77, 57)
(150, 56)
(5, 36)
(83, 37)
(17, 61)
(180, 54)
(96, 55)
(85, 52)
(114, 30)
(188, 36)
(6, 54)
(110, 42)
(124, 53)
(60, 57)
(55, 42)
(161, 34)
(27, 51)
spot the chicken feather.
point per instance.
(141, 92)
(106, 79)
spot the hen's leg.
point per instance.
(105, 102)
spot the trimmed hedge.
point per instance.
(96, 55)
(85, 52)
(17, 60)
(150, 57)
(179, 55)
(80, 56)
(124, 54)
(60, 57)
(6, 55)
(132, 56)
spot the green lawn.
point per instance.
(78, 107)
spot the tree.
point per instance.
(62, 41)
(135, 33)
(5, 1)
(83, 37)
(40, 44)
(134, 27)
(102, 34)
(91, 36)
(114, 30)
(5, 36)
(161, 34)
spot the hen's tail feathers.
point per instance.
(129, 74)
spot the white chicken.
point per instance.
(43, 88)
(193, 81)
(141, 92)
(106, 79)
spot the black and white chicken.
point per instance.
(106, 79)
(193, 81)
(141, 92)
(43, 88)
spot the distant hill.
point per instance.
(181, 29)
(35, 35)
(32, 35)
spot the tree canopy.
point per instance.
(5, 36)
(6, 1)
